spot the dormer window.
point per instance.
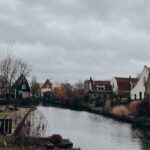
(100, 88)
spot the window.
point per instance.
(140, 95)
(23, 86)
(100, 88)
(144, 81)
(134, 96)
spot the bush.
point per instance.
(134, 107)
(2, 141)
(144, 109)
(120, 111)
(56, 139)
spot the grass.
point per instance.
(2, 141)
(99, 109)
(4, 114)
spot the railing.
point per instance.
(5, 126)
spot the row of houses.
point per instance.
(121, 87)
(21, 88)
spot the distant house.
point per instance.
(122, 86)
(98, 88)
(46, 87)
(142, 89)
(21, 88)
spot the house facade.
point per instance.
(122, 86)
(98, 89)
(46, 87)
(142, 89)
(21, 88)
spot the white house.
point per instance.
(139, 90)
(122, 86)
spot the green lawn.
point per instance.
(4, 114)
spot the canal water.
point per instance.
(94, 132)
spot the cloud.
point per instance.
(74, 39)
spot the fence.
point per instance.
(5, 126)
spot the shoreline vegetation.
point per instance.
(137, 121)
(29, 106)
(19, 139)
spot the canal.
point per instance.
(94, 132)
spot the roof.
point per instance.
(96, 83)
(21, 80)
(18, 81)
(46, 84)
(124, 84)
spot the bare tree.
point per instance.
(11, 68)
(34, 85)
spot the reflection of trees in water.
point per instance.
(36, 124)
(94, 117)
(144, 137)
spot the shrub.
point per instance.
(56, 139)
(120, 111)
(108, 105)
(2, 141)
(144, 109)
(134, 107)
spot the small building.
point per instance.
(122, 86)
(46, 87)
(21, 88)
(98, 89)
(142, 90)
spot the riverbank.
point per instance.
(18, 140)
(139, 122)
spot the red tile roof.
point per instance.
(47, 84)
(124, 84)
(97, 83)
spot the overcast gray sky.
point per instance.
(75, 39)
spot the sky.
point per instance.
(71, 40)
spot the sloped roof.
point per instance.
(47, 83)
(96, 83)
(124, 84)
(18, 81)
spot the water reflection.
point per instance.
(90, 131)
(144, 137)
(94, 132)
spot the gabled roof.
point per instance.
(124, 84)
(96, 83)
(47, 83)
(18, 81)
